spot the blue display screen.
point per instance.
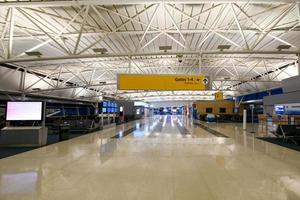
(109, 107)
(279, 109)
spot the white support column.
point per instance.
(298, 64)
(244, 119)
(44, 114)
(129, 65)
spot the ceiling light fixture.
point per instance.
(33, 53)
(165, 48)
(100, 50)
(223, 47)
(283, 47)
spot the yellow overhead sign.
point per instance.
(219, 96)
(162, 82)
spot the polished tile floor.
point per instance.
(163, 157)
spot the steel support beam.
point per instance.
(298, 64)
(141, 32)
(128, 2)
(68, 57)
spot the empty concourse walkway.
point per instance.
(162, 157)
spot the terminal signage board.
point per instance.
(162, 82)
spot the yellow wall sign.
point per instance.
(162, 82)
(219, 96)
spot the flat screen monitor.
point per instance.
(104, 104)
(24, 111)
(103, 110)
(279, 109)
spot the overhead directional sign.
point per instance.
(162, 82)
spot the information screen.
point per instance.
(279, 109)
(24, 111)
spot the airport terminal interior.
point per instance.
(149, 99)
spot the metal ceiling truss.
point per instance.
(66, 34)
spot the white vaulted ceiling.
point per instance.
(67, 32)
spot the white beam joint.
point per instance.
(11, 32)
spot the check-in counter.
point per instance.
(24, 136)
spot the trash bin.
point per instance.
(64, 131)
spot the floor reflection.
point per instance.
(154, 161)
(24, 184)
